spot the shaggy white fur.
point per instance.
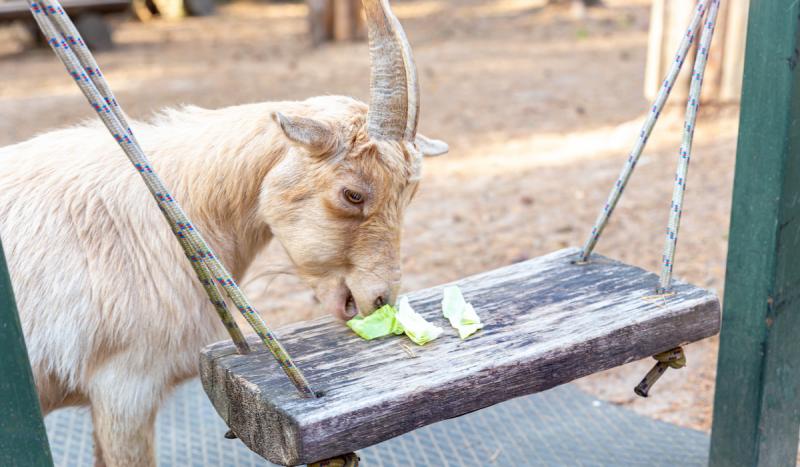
(110, 308)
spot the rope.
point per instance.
(686, 148)
(347, 460)
(674, 358)
(644, 134)
(692, 105)
(70, 48)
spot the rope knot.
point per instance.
(347, 460)
(674, 358)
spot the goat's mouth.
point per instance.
(338, 301)
(350, 307)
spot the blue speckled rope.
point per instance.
(647, 128)
(686, 147)
(68, 45)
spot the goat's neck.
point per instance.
(218, 179)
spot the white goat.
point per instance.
(111, 310)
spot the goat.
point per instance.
(112, 313)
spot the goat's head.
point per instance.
(336, 202)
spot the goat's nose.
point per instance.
(386, 297)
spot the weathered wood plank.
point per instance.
(547, 322)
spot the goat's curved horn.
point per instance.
(394, 89)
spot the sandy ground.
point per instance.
(539, 108)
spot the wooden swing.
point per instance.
(547, 321)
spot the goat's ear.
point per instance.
(314, 135)
(430, 147)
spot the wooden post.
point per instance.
(335, 20)
(712, 80)
(23, 440)
(668, 22)
(320, 21)
(757, 401)
(347, 21)
(730, 79)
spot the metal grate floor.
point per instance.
(563, 426)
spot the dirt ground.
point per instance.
(539, 108)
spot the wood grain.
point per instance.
(547, 321)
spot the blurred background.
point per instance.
(540, 102)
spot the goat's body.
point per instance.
(111, 310)
(112, 314)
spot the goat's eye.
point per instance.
(353, 196)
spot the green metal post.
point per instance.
(757, 400)
(23, 440)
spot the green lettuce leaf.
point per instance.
(461, 314)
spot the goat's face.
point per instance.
(336, 203)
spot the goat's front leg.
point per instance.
(98, 451)
(124, 408)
